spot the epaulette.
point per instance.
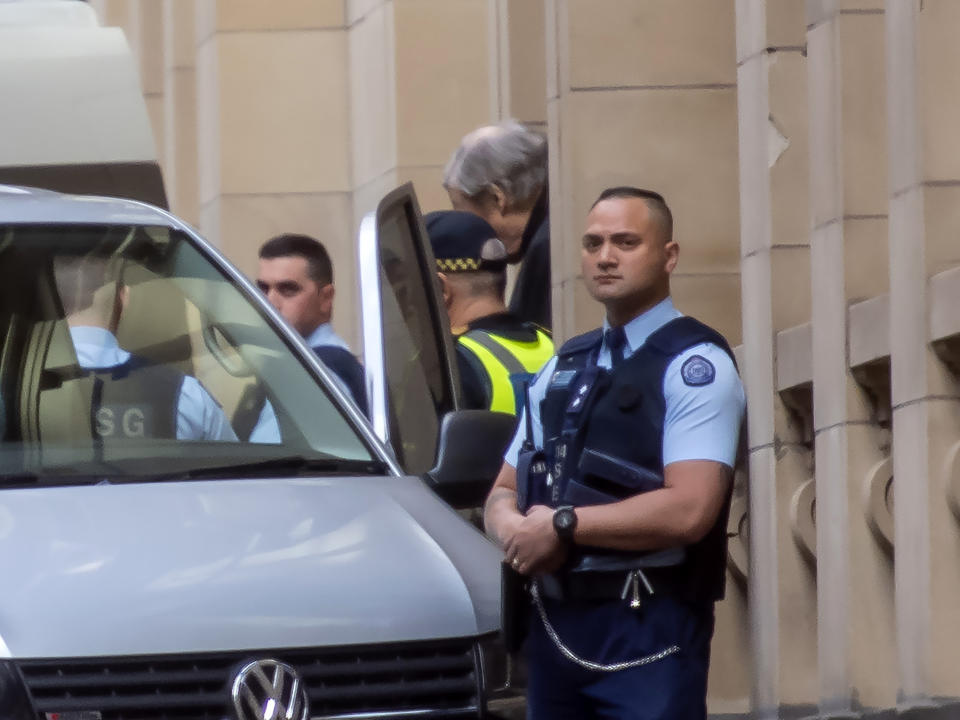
(684, 332)
(580, 343)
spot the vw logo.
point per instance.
(269, 690)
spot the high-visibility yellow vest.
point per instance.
(507, 362)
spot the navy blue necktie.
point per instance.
(615, 338)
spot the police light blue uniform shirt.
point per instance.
(702, 419)
(199, 417)
(267, 429)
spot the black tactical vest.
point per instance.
(135, 400)
(603, 439)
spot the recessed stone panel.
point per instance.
(866, 258)
(428, 183)
(583, 312)
(681, 143)
(713, 299)
(938, 58)
(791, 282)
(284, 115)
(442, 76)
(786, 24)
(942, 228)
(528, 72)
(279, 14)
(649, 42)
(863, 114)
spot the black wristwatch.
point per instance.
(565, 522)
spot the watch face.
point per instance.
(564, 521)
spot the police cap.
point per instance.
(464, 242)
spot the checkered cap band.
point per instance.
(458, 264)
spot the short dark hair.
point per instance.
(310, 249)
(79, 277)
(654, 200)
(482, 283)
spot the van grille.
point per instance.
(440, 678)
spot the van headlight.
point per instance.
(14, 699)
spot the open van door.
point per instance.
(413, 384)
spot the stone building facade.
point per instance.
(809, 150)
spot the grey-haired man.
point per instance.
(499, 172)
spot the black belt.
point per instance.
(599, 586)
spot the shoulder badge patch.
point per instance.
(697, 370)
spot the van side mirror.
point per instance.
(469, 455)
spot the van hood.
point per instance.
(133, 569)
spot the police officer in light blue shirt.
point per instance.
(614, 494)
(296, 275)
(131, 397)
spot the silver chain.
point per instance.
(589, 665)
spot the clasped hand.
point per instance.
(534, 548)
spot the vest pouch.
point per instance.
(532, 488)
(603, 478)
(579, 494)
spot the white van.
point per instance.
(74, 119)
(157, 565)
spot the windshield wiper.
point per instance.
(24, 479)
(34, 479)
(275, 467)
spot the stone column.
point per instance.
(641, 94)
(518, 35)
(273, 125)
(180, 109)
(924, 187)
(848, 211)
(776, 296)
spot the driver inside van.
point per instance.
(132, 397)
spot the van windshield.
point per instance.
(126, 354)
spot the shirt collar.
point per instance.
(97, 347)
(324, 336)
(646, 323)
